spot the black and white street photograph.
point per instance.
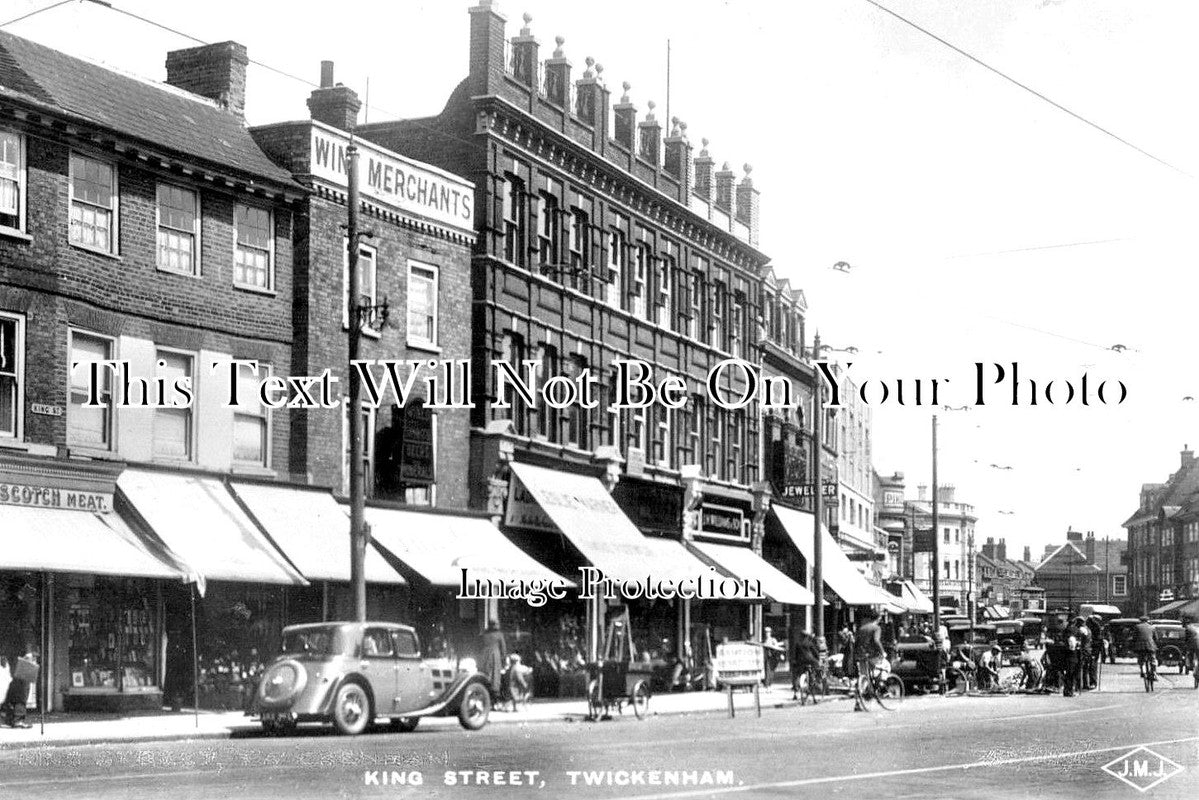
(490, 399)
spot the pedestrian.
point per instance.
(1083, 632)
(772, 651)
(493, 657)
(15, 637)
(1073, 665)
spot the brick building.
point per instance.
(1163, 544)
(127, 235)
(601, 238)
(1085, 570)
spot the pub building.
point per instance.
(600, 236)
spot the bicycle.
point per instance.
(880, 686)
(811, 684)
(1147, 663)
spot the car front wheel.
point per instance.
(351, 710)
(476, 706)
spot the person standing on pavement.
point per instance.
(772, 651)
(493, 658)
(1073, 664)
(14, 644)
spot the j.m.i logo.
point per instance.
(1142, 769)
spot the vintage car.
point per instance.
(1032, 629)
(1120, 632)
(1171, 644)
(351, 674)
(1009, 633)
(979, 638)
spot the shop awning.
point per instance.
(1167, 608)
(916, 601)
(439, 546)
(202, 526)
(840, 574)
(581, 508)
(673, 561)
(1105, 608)
(888, 601)
(312, 529)
(744, 563)
(996, 612)
(60, 540)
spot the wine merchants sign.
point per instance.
(392, 180)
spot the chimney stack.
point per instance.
(1088, 547)
(1027, 554)
(922, 492)
(945, 493)
(989, 547)
(1001, 550)
(334, 104)
(747, 205)
(1188, 456)
(1073, 535)
(486, 48)
(704, 166)
(725, 179)
(649, 145)
(624, 115)
(216, 71)
(678, 157)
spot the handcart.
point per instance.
(618, 678)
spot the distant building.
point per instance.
(955, 540)
(1085, 570)
(1006, 582)
(1163, 543)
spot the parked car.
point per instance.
(1010, 636)
(979, 638)
(351, 674)
(1120, 631)
(1032, 629)
(1171, 644)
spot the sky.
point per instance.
(983, 224)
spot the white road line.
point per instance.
(893, 773)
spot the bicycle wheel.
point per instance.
(888, 692)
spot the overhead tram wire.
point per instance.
(35, 12)
(271, 68)
(1027, 88)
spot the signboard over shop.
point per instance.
(392, 180)
(722, 522)
(16, 494)
(524, 511)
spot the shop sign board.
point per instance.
(739, 663)
(524, 511)
(16, 494)
(723, 522)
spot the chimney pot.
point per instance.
(326, 74)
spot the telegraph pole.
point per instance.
(358, 530)
(818, 503)
(936, 565)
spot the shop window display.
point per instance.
(113, 642)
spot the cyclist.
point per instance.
(805, 656)
(1192, 646)
(868, 652)
(1144, 644)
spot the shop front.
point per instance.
(238, 600)
(78, 588)
(850, 588)
(571, 523)
(456, 564)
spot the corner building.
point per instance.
(601, 237)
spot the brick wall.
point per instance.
(58, 286)
(319, 318)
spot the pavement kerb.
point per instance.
(497, 718)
